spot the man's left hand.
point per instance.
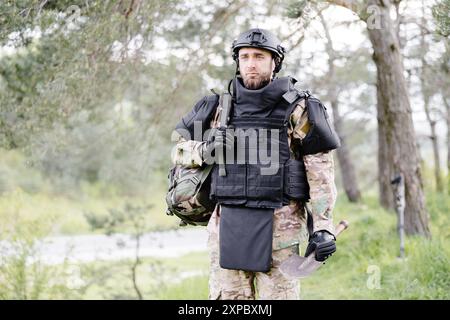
(323, 244)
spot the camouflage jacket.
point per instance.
(319, 170)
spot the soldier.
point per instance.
(261, 217)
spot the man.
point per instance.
(261, 213)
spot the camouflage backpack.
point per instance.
(188, 195)
(189, 188)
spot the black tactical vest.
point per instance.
(256, 176)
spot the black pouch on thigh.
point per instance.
(246, 238)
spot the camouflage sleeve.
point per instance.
(322, 189)
(319, 172)
(187, 152)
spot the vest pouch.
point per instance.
(233, 185)
(295, 181)
(245, 238)
(265, 183)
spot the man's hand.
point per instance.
(323, 244)
(216, 141)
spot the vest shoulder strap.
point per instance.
(225, 106)
(293, 97)
(222, 113)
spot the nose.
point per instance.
(251, 63)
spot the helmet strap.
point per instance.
(238, 71)
(276, 61)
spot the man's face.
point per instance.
(256, 67)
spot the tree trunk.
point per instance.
(396, 117)
(447, 105)
(385, 171)
(445, 91)
(426, 103)
(434, 141)
(437, 158)
(385, 166)
(398, 122)
(348, 172)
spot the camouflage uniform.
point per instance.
(289, 222)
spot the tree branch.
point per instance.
(349, 4)
(357, 7)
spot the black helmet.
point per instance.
(262, 39)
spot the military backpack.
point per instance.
(189, 188)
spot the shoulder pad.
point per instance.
(203, 112)
(321, 136)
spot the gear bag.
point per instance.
(189, 188)
(188, 195)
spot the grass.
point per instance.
(185, 277)
(366, 265)
(369, 250)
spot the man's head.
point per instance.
(257, 47)
(256, 67)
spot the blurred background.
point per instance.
(91, 90)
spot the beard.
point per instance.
(254, 83)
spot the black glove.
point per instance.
(323, 243)
(218, 138)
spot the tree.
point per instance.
(394, 110)
(348, 173)
(442, 19)
(344, 71)
(79, 93)
(132, 217)
(426, 94)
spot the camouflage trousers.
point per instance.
(289, 230)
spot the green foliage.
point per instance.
(441, 15)
(184, 277)
(85, 121)
(192, 288)
(295, 9)
(84, 66)
(24, 221)
(371, 243)
(24, 276)
(438, 205)
(88, 101)
(131, 218)
(27, 197)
